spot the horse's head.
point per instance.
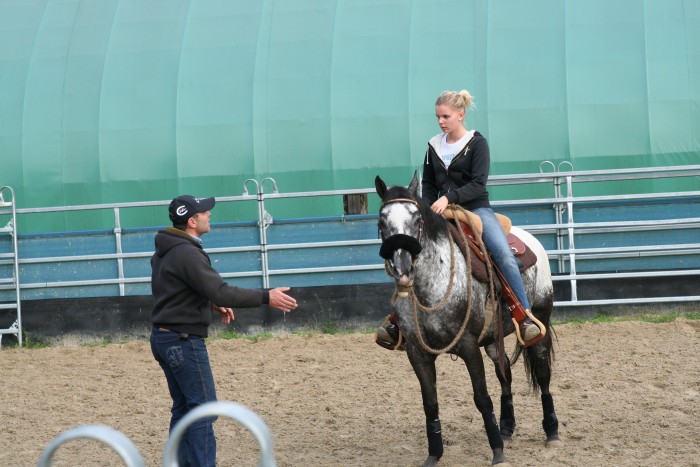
(401, 228)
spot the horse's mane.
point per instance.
(433, 224)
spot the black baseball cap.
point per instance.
(185, 206)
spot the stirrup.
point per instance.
(536, 322)
(382, 341)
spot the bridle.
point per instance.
(410, 201)
(405, 291)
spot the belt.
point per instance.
(183, 335)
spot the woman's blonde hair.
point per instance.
(461, 100)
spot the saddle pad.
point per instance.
(461, 215)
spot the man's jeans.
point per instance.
(185, 362)
(497, 244)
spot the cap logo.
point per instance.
(181, 211)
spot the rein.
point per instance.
(406, 291)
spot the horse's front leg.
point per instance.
(507, 418)
(475, 364)
(424, 366)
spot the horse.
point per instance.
(440, 308)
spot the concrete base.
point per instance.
(325, 309)
(329, 309)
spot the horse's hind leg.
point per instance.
(538, 363)
(507, 418)
(475, 365)
(424, 367)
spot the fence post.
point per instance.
(120, 251)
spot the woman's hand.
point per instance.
(439, 206)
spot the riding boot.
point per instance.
(388, 334)
(529, 331)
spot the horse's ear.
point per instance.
(380, 186)
(413, 186)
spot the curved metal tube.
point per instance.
(565, 163)
(235, 411)
(545, 163)
(245, 187)
(274, 184)
(111, 437)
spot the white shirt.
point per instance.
(448, 151)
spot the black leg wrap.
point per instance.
(507, 415)
(434, 430)
(495, 440)
(550, 424)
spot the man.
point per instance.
(186, 289)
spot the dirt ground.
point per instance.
(626, 394)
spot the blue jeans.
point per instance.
(497, 244)
(185, 362)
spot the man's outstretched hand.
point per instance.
(280, 300)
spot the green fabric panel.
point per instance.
(607, 85)
(293, 89)
(214, 99)
(526, 84)
(139, 93)
(130, 100)
(369, 87)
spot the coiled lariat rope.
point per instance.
(404, 291)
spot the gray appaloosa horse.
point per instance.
(440, 306)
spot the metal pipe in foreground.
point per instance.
(111, 437)
(233, 410)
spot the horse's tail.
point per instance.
(538, 359)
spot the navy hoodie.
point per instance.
(184, 285)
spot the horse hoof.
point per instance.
(507, 434)
(499, 458)
(554, 443)
(431, 461)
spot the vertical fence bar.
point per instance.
(120, 258)
(263, 231)
(571, 235)
(558, 215)
(263, 239)
(13, 231)
(16, 268)
(261, 228)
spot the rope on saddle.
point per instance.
(498, 329)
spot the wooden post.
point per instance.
(355, 204)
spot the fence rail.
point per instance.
(586, 237)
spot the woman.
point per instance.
(455, 171)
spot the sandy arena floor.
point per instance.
(627, 394)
